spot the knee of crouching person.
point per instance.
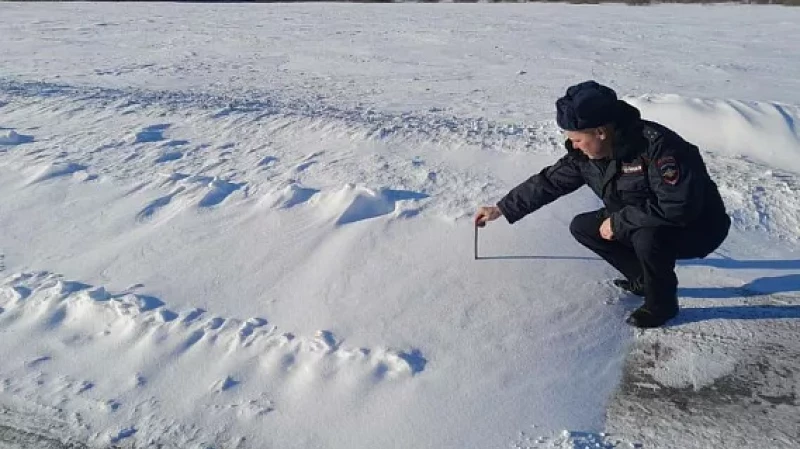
(574, 227)
(583, 225)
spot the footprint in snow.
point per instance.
(122, 434)
(224, 385)
(175, 143)
(154, 133)
(394, 363)
(304, 166)
(38, 361)
(139, 380)
(169, 157)
(84, 386)
(215, 323)
(308, 161)
(113, 405)
(193, 316)
(268, 161)
(250, 325)
(167, 315)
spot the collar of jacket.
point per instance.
(629, 140)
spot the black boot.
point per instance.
(633, 287)
(645, 318)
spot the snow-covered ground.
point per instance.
(250, 225)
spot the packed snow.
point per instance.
(250, 225)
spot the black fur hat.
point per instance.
(586, 105)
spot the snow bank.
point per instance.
(762, 131)
(750, 149)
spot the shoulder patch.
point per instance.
(668, 168)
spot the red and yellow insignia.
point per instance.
(668, 168)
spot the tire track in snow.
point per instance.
(145, 150)
(433, 126)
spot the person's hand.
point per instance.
(486, 214)
(605, 230)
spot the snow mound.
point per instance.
(202, 191)
(762, 131)
(218, 191)
(292, 194)
(58, 170)
(353, 203)
(10, 137)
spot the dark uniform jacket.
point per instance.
(654, 178)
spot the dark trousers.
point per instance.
(649, 254)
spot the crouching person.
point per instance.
(660, 202)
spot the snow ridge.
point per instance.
(136, 336)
